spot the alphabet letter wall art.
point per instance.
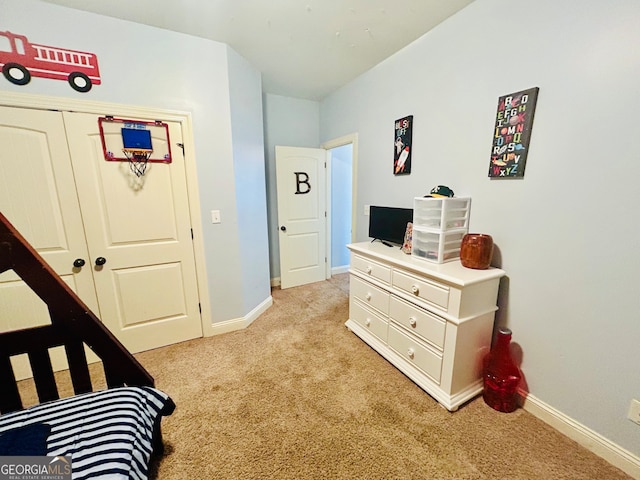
(512, 132)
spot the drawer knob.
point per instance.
(412, 322)
(411, 353)
(369, 269)
(368, 322)
(368, 296)
(415, 289)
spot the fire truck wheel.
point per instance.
(16, 73)
(80, 82)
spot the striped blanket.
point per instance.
(109, 434)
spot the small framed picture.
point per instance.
(402, 146)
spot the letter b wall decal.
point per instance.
(302, 178)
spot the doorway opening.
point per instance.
(341, 201)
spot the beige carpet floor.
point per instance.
(298, 396)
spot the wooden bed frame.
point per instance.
(72, 326)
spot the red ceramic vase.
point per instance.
(500, 375)
(476, 250)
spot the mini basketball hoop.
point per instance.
(137, 160)
(141, 142)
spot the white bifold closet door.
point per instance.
(70, 204)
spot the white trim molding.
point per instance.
(352, 139)
(596, 443)
(239, 323)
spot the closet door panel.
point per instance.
(147, 288)
(38, 196)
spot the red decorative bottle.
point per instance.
(501, 375)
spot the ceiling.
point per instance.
(304, 48)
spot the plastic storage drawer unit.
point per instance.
(441, 213)
(438, 246)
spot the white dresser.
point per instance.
(434, 322)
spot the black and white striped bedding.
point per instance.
(109, 434)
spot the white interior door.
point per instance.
(147, 288)
(302, 221)
(38, 196)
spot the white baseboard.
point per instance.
(339, 270)
(275, 282)
(239, 323)
(601, 446)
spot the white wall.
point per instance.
(146, 66)
(291, 122)
(567, 234)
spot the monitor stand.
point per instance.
(384, 242)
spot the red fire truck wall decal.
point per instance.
(20, 60)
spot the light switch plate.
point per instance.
(634, 411)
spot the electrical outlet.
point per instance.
(366, 210)
(215, 216)
(634, 411)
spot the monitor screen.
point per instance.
(389, 223)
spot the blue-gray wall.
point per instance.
(341, 177)
(250, 182)
(566, 234)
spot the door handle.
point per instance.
(283, 228)
(78, 262)
(100, 261)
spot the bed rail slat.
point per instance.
(17, 342)
(43, 375)
(78, 369)
(112, 376)
(5, 257)
(10, 400)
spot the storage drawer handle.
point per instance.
(369, 269)
(367, 322)
(412, 322)
(368, 296)
(411, 353)
(415, 289)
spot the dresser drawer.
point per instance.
(422, 289)
(418, 321)
(415, 352)
(370, 268)
(370, 294)
(368, 319)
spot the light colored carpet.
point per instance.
(298, 396)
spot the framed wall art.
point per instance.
(512, 133)
(402, 146)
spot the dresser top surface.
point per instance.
(450, 272)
